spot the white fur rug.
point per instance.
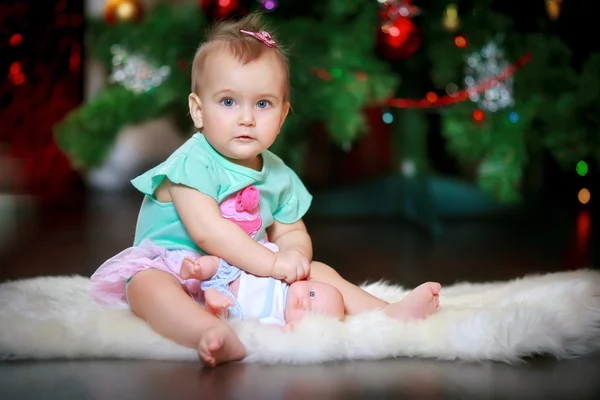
(556, 314)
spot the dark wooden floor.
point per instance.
(77, 241)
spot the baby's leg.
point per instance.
(202, 268)
(356, 300)
(420, 303)
(216, 303)
(159, 298)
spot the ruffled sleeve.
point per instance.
(296, 204)
(183, 169)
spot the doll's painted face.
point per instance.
(316, 297)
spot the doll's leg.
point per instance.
(202, 268)
(216, 303)
(420, 303)
(158, 298)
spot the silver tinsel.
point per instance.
(134, 72)
(483, 66)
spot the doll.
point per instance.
(234, 293)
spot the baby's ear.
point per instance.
(196, 110)
(284, 112)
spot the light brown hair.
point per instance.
(243, 47)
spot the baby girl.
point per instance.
(240, 99)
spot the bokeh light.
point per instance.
(16, 39)
(460, 42)
(431, 97)
(387, 117)
(478, 115)
(584, 196)
(582, 168)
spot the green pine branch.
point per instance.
(336, 73)
(169, 36)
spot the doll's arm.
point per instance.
(291, 237)
(202, 218)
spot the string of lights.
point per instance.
(432, 100)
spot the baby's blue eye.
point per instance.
(263, 104)
(227, 102)
(312, 293)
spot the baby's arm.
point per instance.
(291, 237)
(295, 236)
(202, 218)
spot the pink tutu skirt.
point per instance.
(109, 282)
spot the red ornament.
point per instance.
(398, 39)
(219, 8)
(391, 9)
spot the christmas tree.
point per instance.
(333, 76)
(502, 97)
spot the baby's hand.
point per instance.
(290, 266)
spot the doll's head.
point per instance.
(317, 297)
(240, 89)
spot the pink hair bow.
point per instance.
(263, 36)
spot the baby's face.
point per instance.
(317, 297)
(242, 106)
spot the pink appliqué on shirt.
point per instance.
(243, 209)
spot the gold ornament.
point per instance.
(451, 22)
(553, 9)
(122, 11)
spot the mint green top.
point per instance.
(197, 164)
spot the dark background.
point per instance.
(52, 54)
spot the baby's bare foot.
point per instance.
(219, 345)
(216, 303)
(202, 268)
(418, 304)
